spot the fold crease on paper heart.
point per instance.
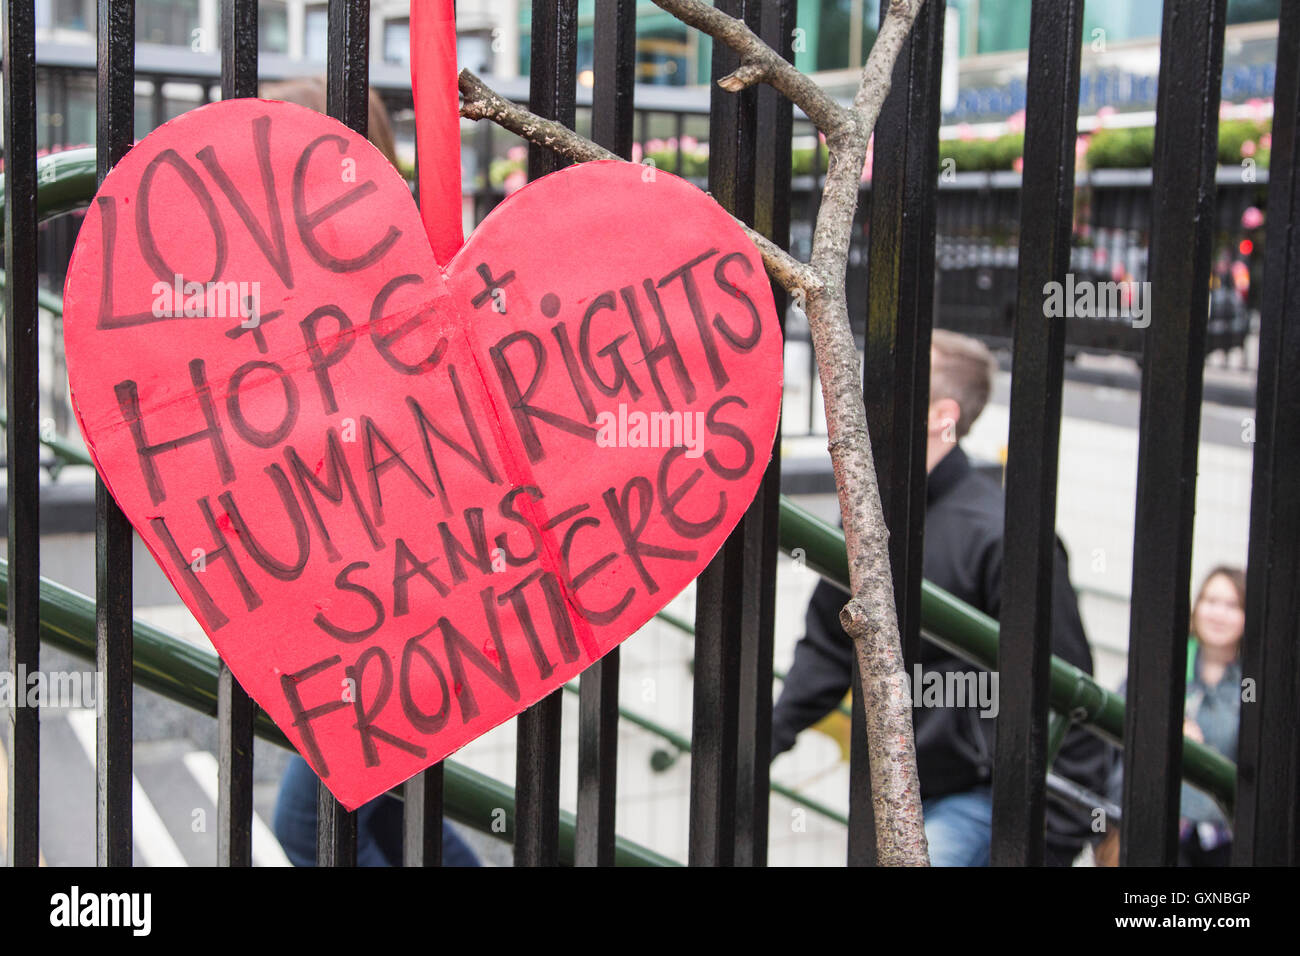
(520, 475)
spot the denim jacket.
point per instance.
(1216, 710)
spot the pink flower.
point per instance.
(655, 146)
(1266, 141)
(1016, 122)
(1019, 164)
(1080, 149)
(637, 153)
(671, 145)
(517, 154)
(1248, 148)
(1258, 107)
(515, 180)
(1103, 114)
(690, 144)
(1252, 218)
(965, 132)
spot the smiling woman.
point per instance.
(1215, 690)
(1211, 713)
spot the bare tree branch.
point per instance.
(759, 63)
(870, 616)
(479, 101)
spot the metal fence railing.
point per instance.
(749, 172)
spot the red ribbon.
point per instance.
(437, 123)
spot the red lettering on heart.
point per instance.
(404, 502)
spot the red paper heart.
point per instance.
(405, 502)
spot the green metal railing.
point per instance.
(64, 182)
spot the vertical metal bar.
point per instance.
(896, 371)
(45, 138)
(862, 816)
(22, 396)
(422, 818)
(157, 101)
(114, 640)
(1037, 374)
(774, 127)
(1187, 123)
(347, 72)
(597, 763)
(679, 134)
(336, 831)
(537, 780)
(483, 192)
(611, 127)
(235, 713)
(726, 601)
(812, 380)
(347, 99)
(552, 88)
(1267, 826)
(59, 89)
(63, 235)
(235, 709)
(238, 48)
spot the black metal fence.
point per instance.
(749, 172)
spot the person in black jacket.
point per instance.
(963, 555)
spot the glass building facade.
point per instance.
(837, 34)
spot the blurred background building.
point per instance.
(987, 42)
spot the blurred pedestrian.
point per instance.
(1211, 716)
(1212, 708)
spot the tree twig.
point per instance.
(759, 63)
(870, 617)
(479, 101)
